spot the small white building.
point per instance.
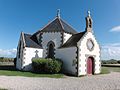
(80, 52)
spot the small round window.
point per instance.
(90, 44)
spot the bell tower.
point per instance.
(89, 22)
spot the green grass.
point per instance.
(106, 70)
(114, 69)
(9, 70)
(12, 72)
(28, 74)
(2, 89)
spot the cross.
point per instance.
(36, 51)
(58, 13)
(89, 13)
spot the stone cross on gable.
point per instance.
(58, 13)
(36, 51)
(88, 13)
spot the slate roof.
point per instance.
(72, 41)
(68, 28)
(58, 25)
(29, 42)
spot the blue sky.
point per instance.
(31, 15)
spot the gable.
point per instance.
(54, 26)
(28, 41)
(21, 40)
(57, 25)
(72, 41)
(55, 37)
(66, 36)
(83, 43)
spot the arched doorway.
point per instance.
(51, 48)
(90, 65)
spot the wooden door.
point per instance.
(89, 66)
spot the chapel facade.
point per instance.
(79, 51)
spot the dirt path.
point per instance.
(97, 82)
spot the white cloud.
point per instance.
(110, 51)
(8, 53)
(115, 29)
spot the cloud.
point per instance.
(8, 52)
(110, 51)
(115, 29)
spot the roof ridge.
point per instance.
(22, 34)
(79, 33)
(27, 33)
(68, 24)
(61, 23)
(49, 23)
(45, 25)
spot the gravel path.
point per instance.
(95, 82)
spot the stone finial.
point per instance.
(89, 22)
(88, 13)
(58, 13)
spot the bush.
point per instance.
(103, 62)
(47, 65)
(39, 65)
(3, 59)
(112, 61)
(118, 61)
(53, 66)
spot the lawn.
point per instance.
(9, 70)
(106, 70)
(2, 89)
(28, 74)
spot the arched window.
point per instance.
(51, 48)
